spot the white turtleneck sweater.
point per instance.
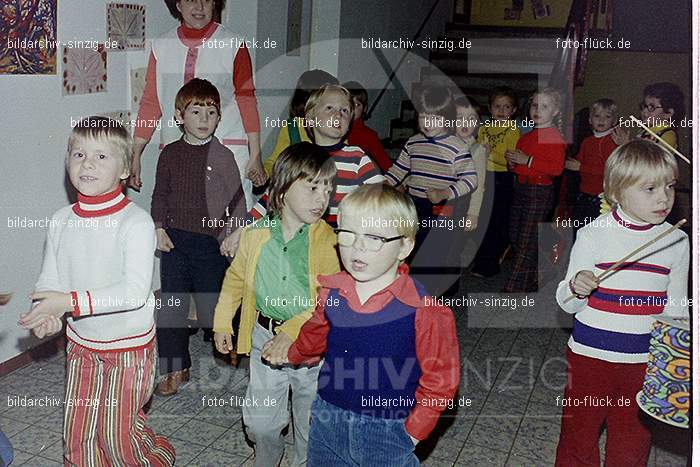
(101, 251)
(614, 323)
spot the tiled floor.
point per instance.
(505, 414)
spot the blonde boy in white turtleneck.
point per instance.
(97, 269)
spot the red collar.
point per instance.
(103, 205)
(403, 289)
(196, 37)
(624, 221)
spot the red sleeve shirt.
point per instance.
(437, 348)
(149, 110)
(592, 155)
(548, 150)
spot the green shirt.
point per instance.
(282, 276)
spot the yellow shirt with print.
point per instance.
(500, 136)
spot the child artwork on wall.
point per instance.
(28, 37)
(121, 116)
(84, 70)
(126, 26)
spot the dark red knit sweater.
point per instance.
(194, 187)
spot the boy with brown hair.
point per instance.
(436, 169)
(196, 200)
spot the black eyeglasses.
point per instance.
(370, 242)
(649, 107)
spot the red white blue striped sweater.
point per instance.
(614, 323)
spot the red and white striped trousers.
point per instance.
(105, 424)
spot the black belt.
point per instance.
(268, 323)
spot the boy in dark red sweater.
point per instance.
(197, 199)
(391, 353)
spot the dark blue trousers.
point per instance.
(195, 266)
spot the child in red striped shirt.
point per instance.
(328, 113)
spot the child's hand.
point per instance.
(255, 172)
(621, 136)
(164, 242)
(135, 176)
(435, 196)
(48, 327)
(583, 283)
(470, 222)
(517, 157)
(51, 304)
(275, 350)
(230, 244)
(223, 342)
(572, 164)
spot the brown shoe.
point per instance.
(172, 382)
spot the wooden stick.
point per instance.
(611, 270)
(660, 139)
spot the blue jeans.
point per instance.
(6, 451)
(340, 437)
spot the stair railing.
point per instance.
(392, 75)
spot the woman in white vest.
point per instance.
(202, 48)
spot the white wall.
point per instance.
(276, 72)
(35, 127)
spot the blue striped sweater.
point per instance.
(439, 163)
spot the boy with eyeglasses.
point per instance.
(662, 110)
(391, 354)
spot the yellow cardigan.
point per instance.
(238, 288)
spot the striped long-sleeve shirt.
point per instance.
(614, 323)
(439, 163)
(354, 169)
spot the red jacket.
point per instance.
(592, 155)
(548, 150)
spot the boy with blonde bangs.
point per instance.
(98, 265)
(196, 198)
(329, 112)
(609, 345)
(375, 318)
(591, 158)
(273, 280)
